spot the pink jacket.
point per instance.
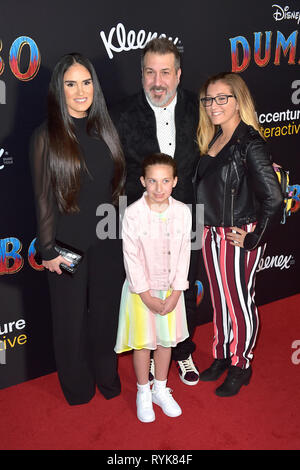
(156, 252)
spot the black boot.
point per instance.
(236, 377)
(215, 370)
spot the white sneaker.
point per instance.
(144, 406)
(163, 398)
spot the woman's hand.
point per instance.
(236, 237)
(53, 264)
(171, 302)
(154, 304)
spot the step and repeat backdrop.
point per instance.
(258, 40)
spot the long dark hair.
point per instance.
(66, 163)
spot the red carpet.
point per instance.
(265, 414)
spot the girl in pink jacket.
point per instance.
(156, 246)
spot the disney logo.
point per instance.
(285, 14)
(129, 41)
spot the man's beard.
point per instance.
(160, 101)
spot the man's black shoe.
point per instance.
(236, 377)
(215, 370)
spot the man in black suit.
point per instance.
(164, 118)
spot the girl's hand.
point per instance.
(171, 302)
(154, 304)
(237, 239)
(53, 264)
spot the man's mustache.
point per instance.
(158, 88)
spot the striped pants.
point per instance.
(231, 272)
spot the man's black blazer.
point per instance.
(136, 125)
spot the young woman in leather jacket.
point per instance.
(241, 195)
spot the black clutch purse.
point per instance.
(71, 256)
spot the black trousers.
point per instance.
(85, 310)
(187, 347)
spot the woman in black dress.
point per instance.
(77, 164)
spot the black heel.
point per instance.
(215, 371)
(235, 379)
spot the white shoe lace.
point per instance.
(164, 399)
(188, 365)
(165, 394)
(167, 391)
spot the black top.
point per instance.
(78, 230)
(205, 163)
(208, 163)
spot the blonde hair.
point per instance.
(206, 129)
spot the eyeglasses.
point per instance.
(220, 99)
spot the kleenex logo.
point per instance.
(281, 262)
(118, 40)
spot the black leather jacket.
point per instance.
(239, 186)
